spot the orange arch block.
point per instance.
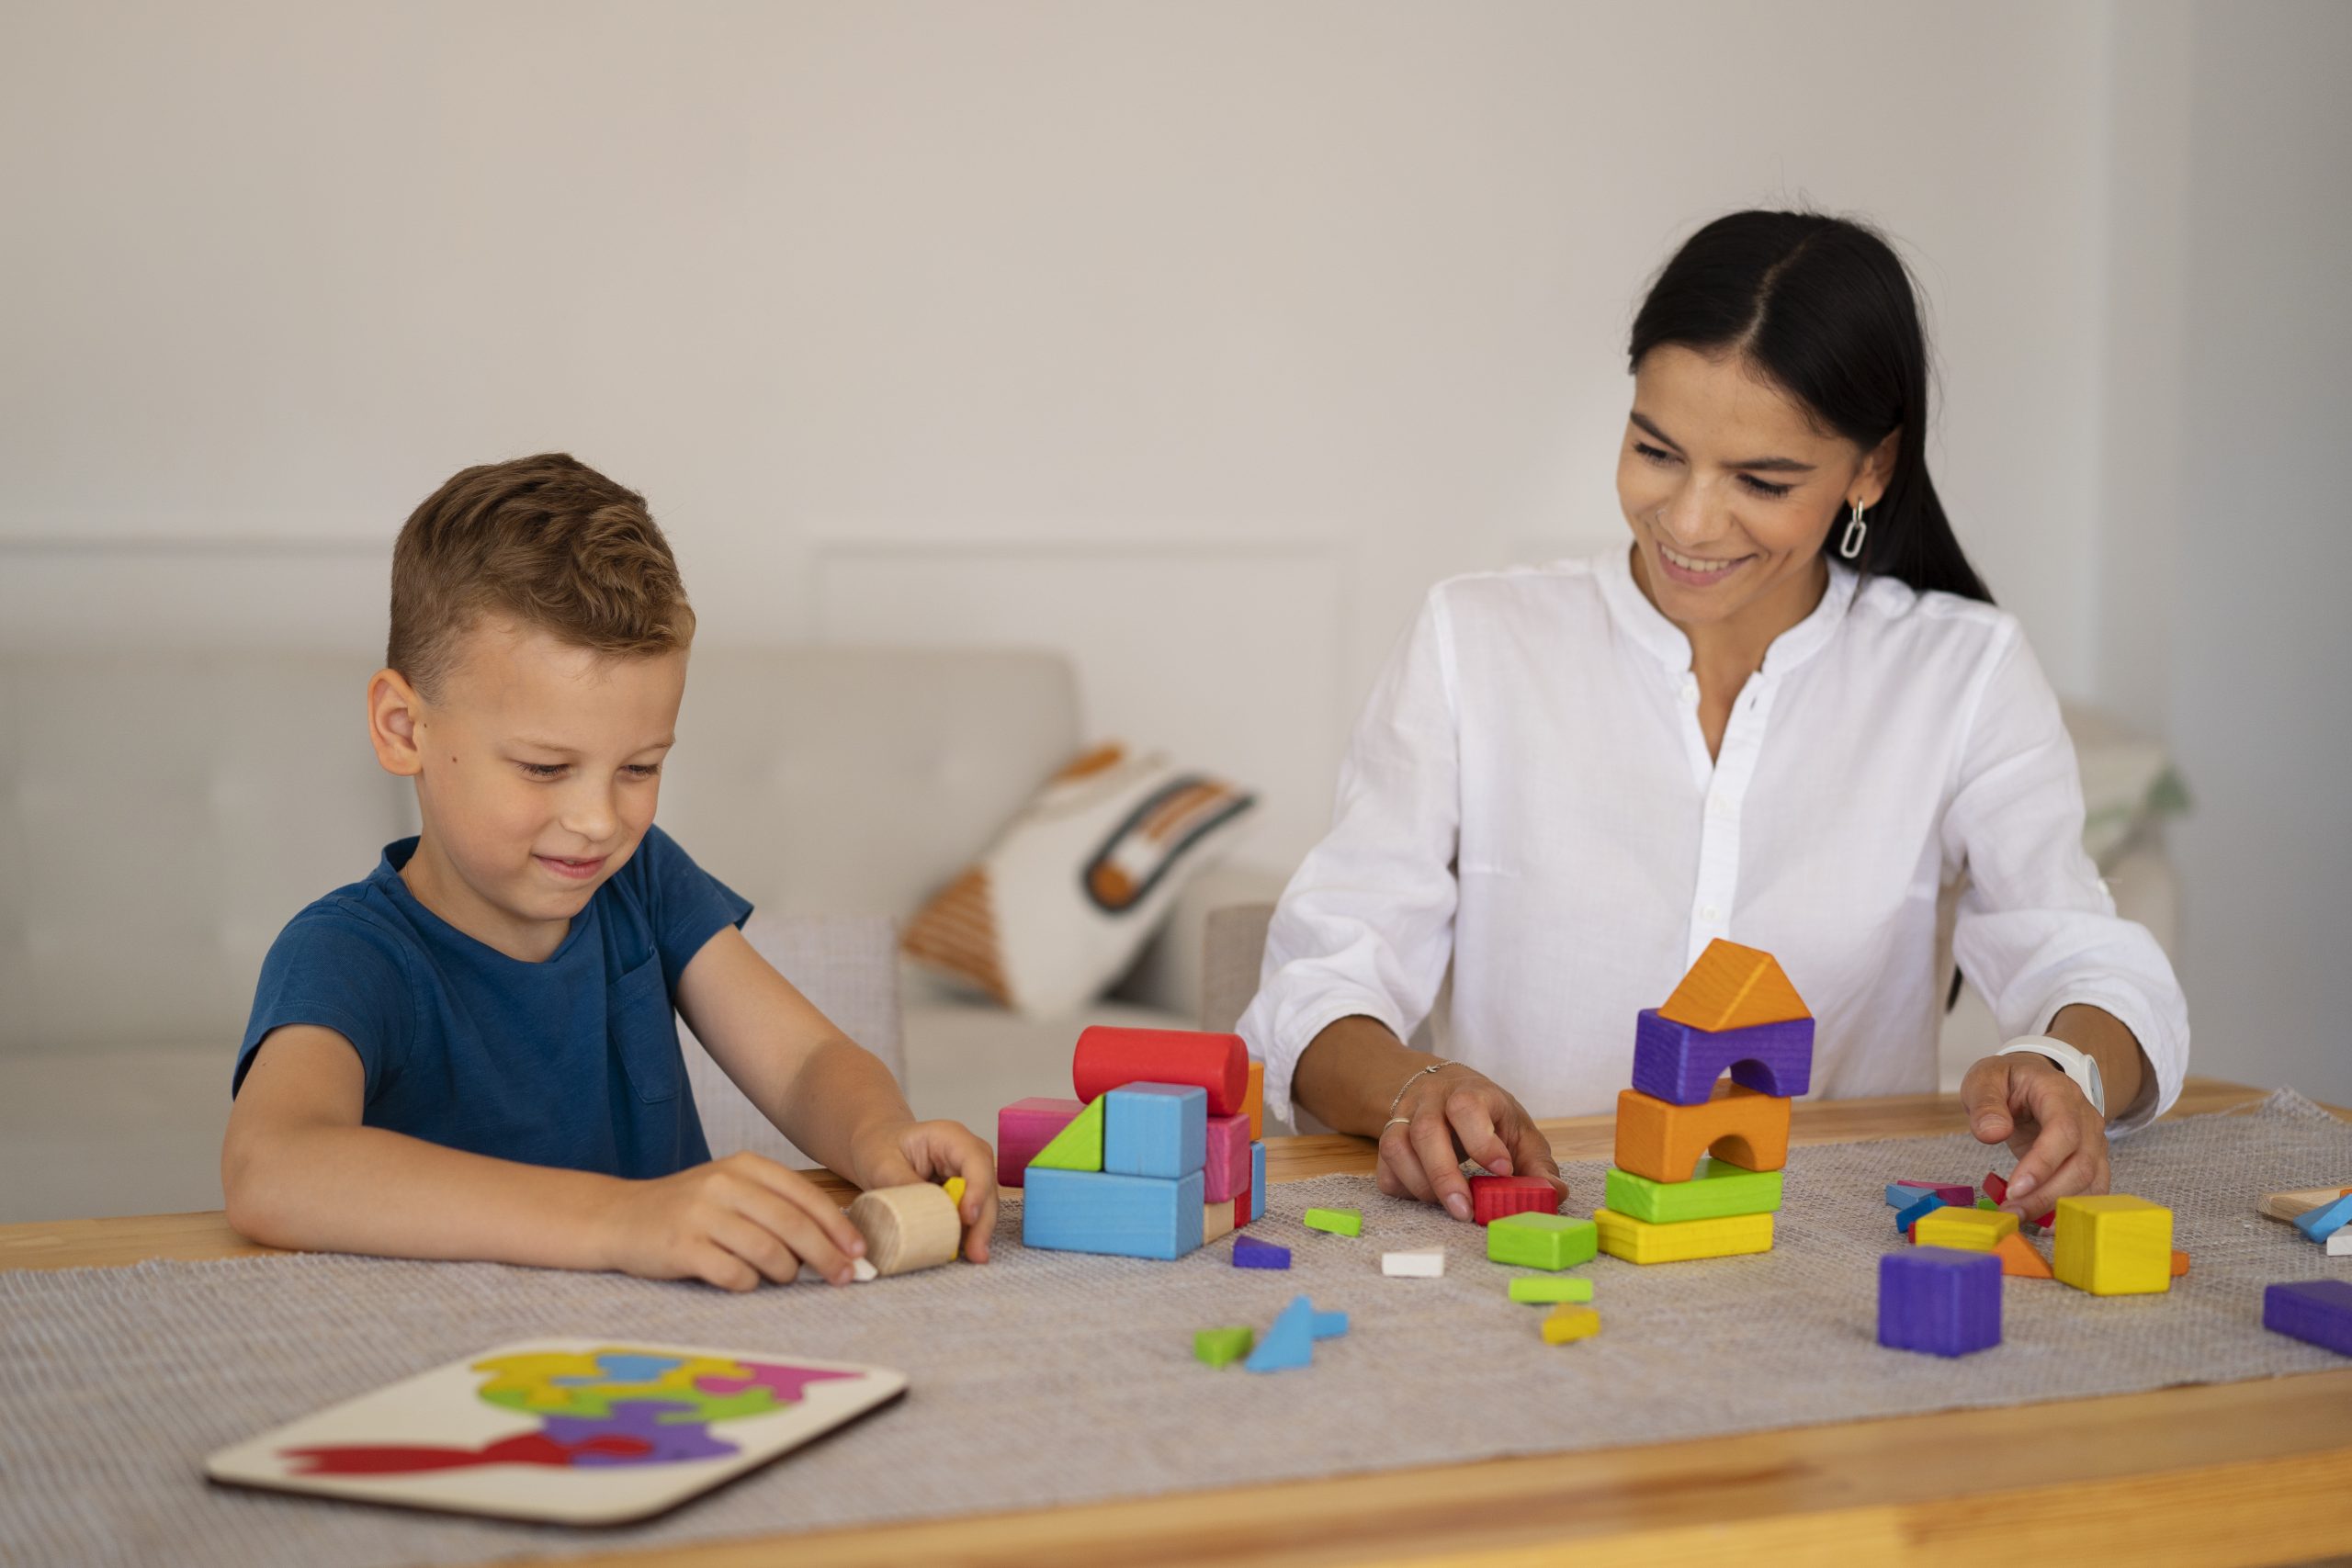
(1664, 1140)
(1733, 987)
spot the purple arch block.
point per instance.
(1676, 1062)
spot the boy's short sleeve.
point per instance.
(337, 971)
(687, 904)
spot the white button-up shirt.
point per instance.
(1529, 796)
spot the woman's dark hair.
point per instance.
(1823, 307)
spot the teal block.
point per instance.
(1155, 1129)
(1124, 1216)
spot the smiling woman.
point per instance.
(1786, 716)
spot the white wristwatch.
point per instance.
(2076, 1065)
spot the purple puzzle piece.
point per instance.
(666, 1442)
(2317, 1311)
(1940, 1299)
(1678, 1063)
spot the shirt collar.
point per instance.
(1666, 642)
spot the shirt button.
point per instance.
(1709, 912)
(1690, 689)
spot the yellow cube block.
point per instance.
(1571, 1323)
(1969, 1230)
(1639, 1241)
(2113, 1245)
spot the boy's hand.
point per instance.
(896, 1154)
(2059, 1136)
(730, 1223)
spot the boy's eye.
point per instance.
(1765, 488)
(541, 770)
(642, 770)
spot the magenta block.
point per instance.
(1940, 1299)
(1957, 1196)
(1676, 1062)
(2317, 1311)
(1024, 1127)
(1227, 1171)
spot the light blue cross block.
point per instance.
(1125, 1216)
(1257, 1181)
(1330, 1325)
(2326, 1220)
(1155, 1129)
(1289, 1343)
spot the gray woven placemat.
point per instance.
(1048, 1378)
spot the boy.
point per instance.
(472, 1053)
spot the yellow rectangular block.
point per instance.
(1969, 1230)
(1571, 1323)
(1638, 1241)
(2113, 1245)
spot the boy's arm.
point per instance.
(299, 1171)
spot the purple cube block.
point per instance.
(2317, 1311)
(1940, 1299)
(1678, 1063)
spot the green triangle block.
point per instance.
(1078, 1146)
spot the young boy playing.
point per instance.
(472, 1053)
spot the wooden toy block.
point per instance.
(2019, 1259)
(2287, 1205)
(1680, 1063)
(1245, 1204)
(1957, 1195)
(1338, 1221)
(1257, 1181)
(1935, 1299)
(1328, 1324)
(1155, 1129)
(1248, 1252)
(2179, 1264)
(1718, 1188)
(1078, 1146)
(1217, 1221)
(2324, 1220)
(1541, 1241)
(954, 1187)
(1995, 1187)
(1024, 1129)
(2317, 1311)
(1109, 1058)
(1423, 1263)
(1969, 1230)
(1124, 1217)
(1733, 987)
(1663, 1140)
(1289, 1343)
(1492, 1197)
(1222, 1346)
(1638, 1241)
(1551, 1288)
(862, 1272)
(907, 1228)
(2340, 1244)
(1226, 1171)
(1255, 1104)
(2113, 1245)
(1901, 1195)
(1570, 1324)
(1928, 1204)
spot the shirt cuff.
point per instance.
(1296, 1030)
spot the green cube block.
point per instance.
(1538, 1288)
(1219, 1345)
(1541, 1241)
(1719, 1188)
(1339, 1222)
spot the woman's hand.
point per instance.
(901, 1154)
(2059, 1136)
(1453, 1114)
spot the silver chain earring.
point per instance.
(1857, 530)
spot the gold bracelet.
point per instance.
(1418, 1074)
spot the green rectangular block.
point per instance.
(1339, 1222)
(1219, 1345)
(1542, 1241)
(1540, 1287)
(1718, 1189)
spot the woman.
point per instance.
(1785, 716)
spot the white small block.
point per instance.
(1427, 1264)
(2340, 1244)
(860, 1270)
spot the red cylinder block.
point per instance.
(1109, 1058)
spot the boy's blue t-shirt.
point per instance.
(571, 1062)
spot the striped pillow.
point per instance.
(1060, 905)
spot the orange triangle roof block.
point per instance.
(2017, 1257)
(1733, 987)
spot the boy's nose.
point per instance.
(592, 815)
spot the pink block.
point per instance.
(1026, 1126)
(1226, 1174)
(1958, 1197)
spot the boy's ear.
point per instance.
(393, 712)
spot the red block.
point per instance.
(1109, 1058)
(1245, 1204)
(1492, 1197)
(1995, 1187)
(1024, 1127)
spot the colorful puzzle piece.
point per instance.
(1680, 1063)
(1935, 1299)
(1664, 1140)
(1541, 1241)
(1638, 1241)
(1719, 1188)
(1733, 987)
(2113, 1244)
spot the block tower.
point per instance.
(1157, 1155)
(1698, 1175)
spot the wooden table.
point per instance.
(2241, 1472)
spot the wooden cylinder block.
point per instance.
(1109, 1057)
(907, 1228)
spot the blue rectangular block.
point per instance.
(2325, 1221)
(1679, 1064)
(1125, 1216)
(1899, 1197)
(1257, 1181)
(1905, 1218)
(1155, 1129)
(2317, 1311)
(1940, 1299)
(1248, 1252)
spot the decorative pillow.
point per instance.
(1060, 905)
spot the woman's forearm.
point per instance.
(1349, 1075)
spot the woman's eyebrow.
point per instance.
(1762, 465)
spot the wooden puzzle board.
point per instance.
(1051, 1377)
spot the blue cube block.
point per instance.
(1940, 1299)
(1257, 1181)
(1905, 1218)
(1125, 1216)
(1155, 1129)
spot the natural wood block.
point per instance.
(1492, 1197)
(1222, 1346)
(1733, 987)
(2323, 1220)
(2287, 1205)
(1680, 1063)
(1024, 1129)
(1551, 1288)
(1337, 1222)
(907, 1228)
(1718, 1188)
(1638, 1241)
(2019, 1259)
(1664, 1140)
(1123, 1216)
(1078, 1146)
(1938, 1301)
(1421, 1263)
(1108, 1057)
(1969, 1230)
(1570, 1324)
(2113, 1244)
(1541, 1241)
(1217, 1222)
